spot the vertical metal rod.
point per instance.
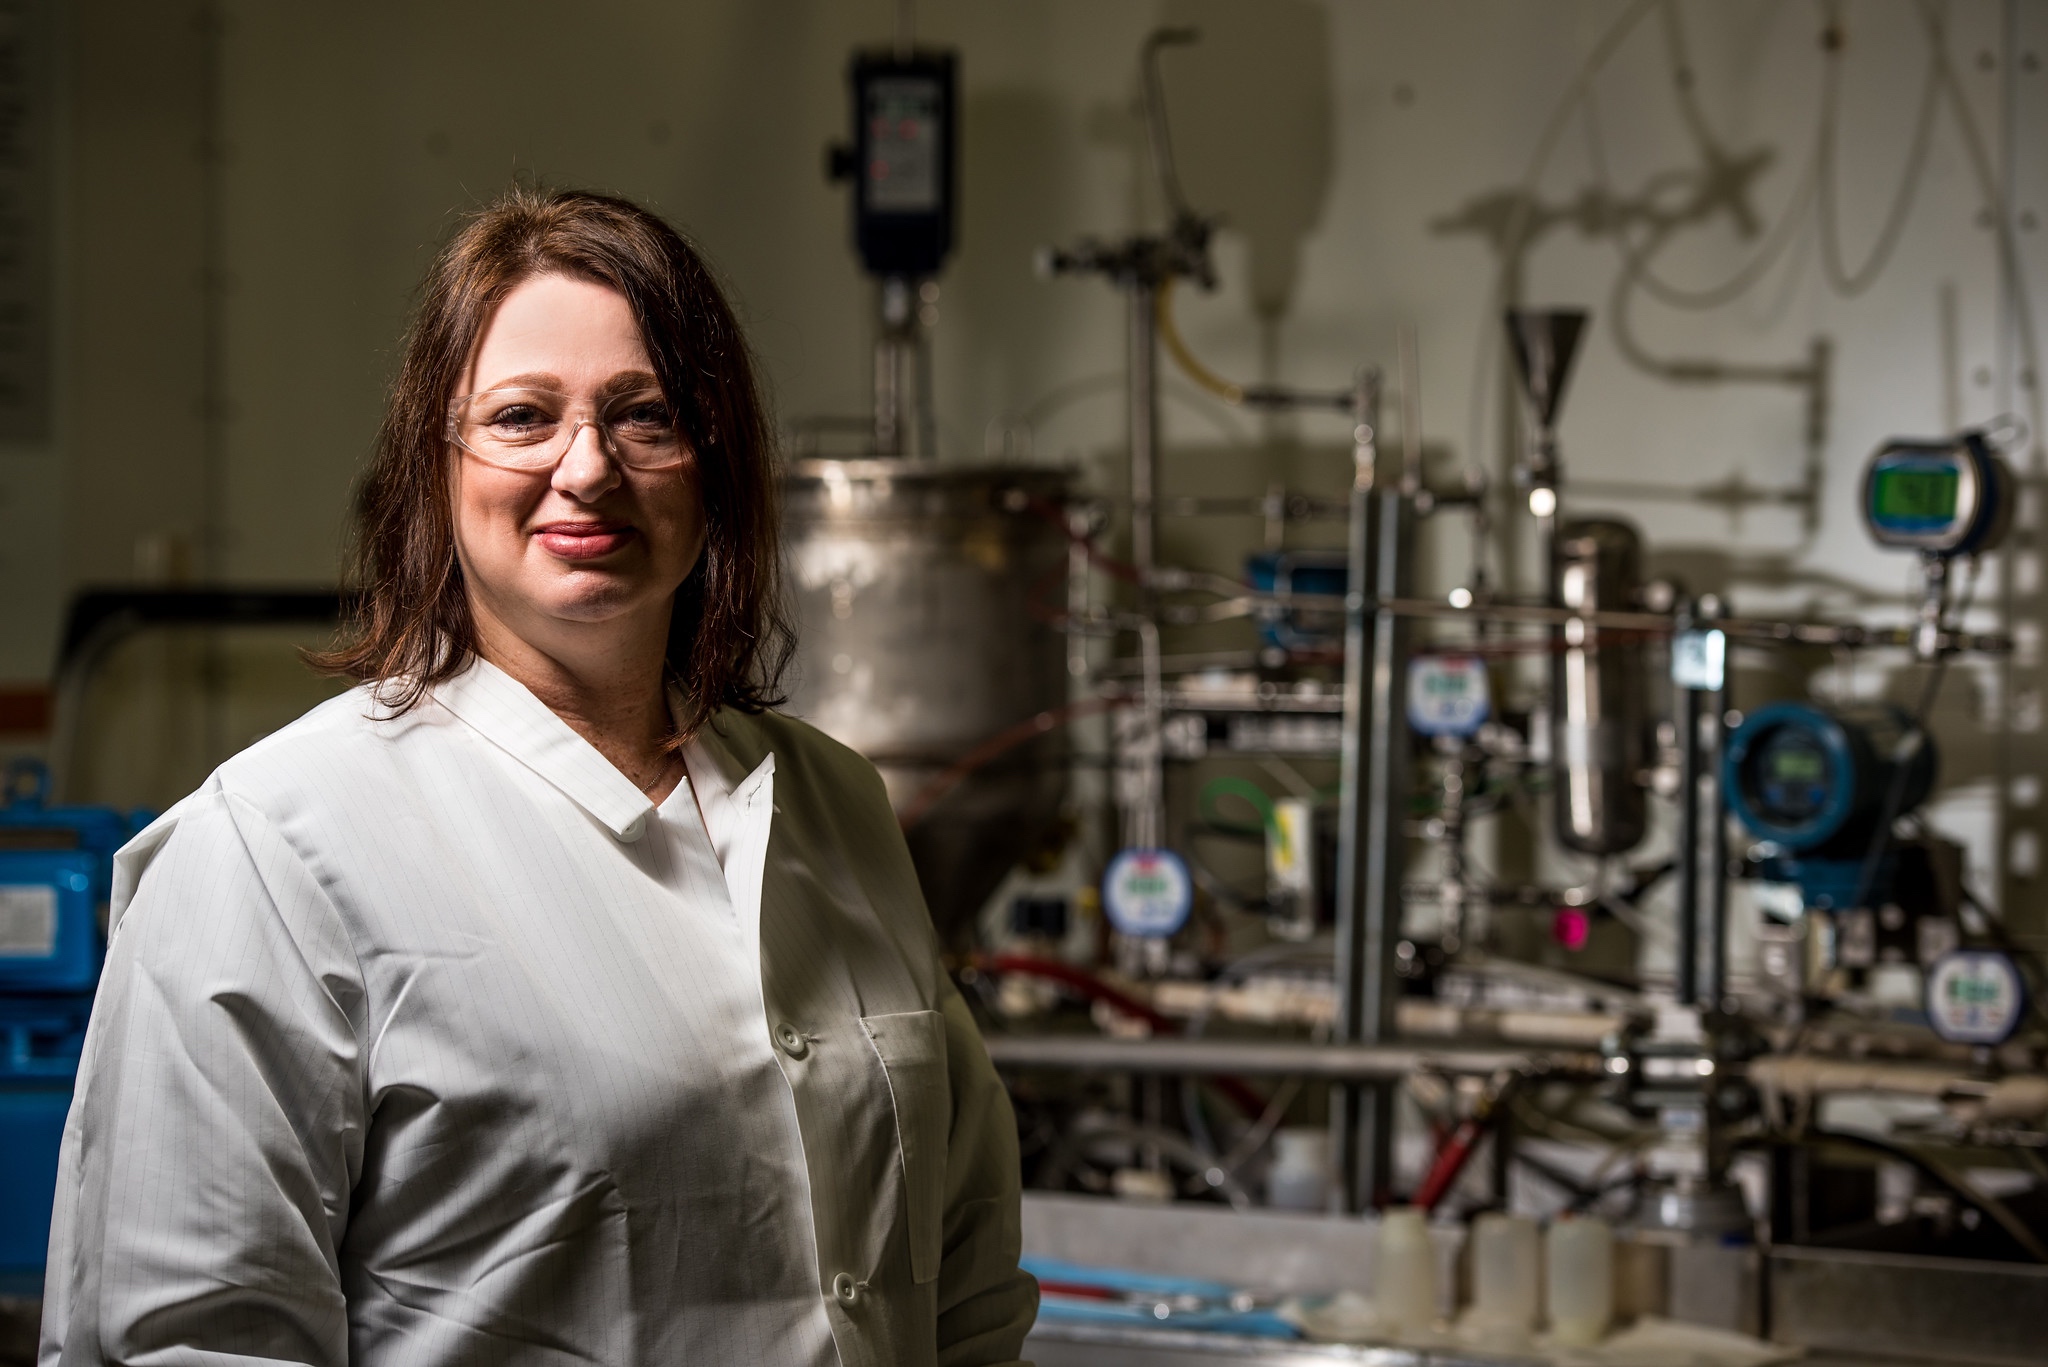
(1387, 845)
(1687, 967)
(1142, 369)
(1371, 840)
(1352, 832)
(895, 367)
(1714, 981)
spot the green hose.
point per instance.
(1247, 792)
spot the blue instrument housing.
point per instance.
(56, 876)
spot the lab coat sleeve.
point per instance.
(986, 1302)
(217, 1128)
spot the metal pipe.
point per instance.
(1374, 774)
(1352, 818)
(1386, 851)
(1688, 843)
(1714, 986)
(1142, 379)
(1658, 623)
(1846, 634)
(1369, 1063)
(895, 366)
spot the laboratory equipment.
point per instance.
(1507, 1279)
(1293, 865)
(1543, 343)
(1976, 996)
(1949, 497)
(1147, 893)
(918, 590)
(1485, 735)
(1600, 728)
(1449, 696)
(56, 874)
(1287, 624)
(1404, 1272)
(902, 166)
(1821, 785)
(902, 160)
(1299, 1178)
(1578, 1279)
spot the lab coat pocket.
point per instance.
(912, 1047)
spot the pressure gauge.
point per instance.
(1447, 695)
(1147, 893)
(1976, 996)
(1951, 497)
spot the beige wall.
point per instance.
(1343, 140)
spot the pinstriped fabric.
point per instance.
(428, 1040)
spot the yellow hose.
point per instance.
(1208, 379)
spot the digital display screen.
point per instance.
(903, 145)
(1798, 766)
(1789, 776)
(1916, 493)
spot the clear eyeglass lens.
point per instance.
(532, 428)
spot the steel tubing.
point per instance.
(1260, 1058)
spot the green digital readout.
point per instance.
(1915, 493)
(1798, 766)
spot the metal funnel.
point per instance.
(1544, 341)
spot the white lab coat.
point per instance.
(429, 1040)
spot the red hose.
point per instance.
(1449, 1162)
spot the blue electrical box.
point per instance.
(49, 921)
(31, 1132)
(56, 876)
(1300, 627)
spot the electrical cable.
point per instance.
(2000, 1214)
(1934, 17)
(1191, 1108)
(1909, 745)
(1517, 224)
(1844, 281)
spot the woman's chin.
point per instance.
(594, 602)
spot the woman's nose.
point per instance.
(586, 470)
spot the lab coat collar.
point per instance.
(737, 755)
(500, 709)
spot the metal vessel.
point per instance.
(1599, 689)
(925, 598)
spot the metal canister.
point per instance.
(1600, 728)
(926, 595)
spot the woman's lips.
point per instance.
(583, 540)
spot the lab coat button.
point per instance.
(792, 1041)
(844, 1289)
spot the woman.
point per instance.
(545, 998)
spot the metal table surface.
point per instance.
(1092, 1345)
(1077, 1345)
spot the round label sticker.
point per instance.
(1447, 695)
(1147, 893)
(1975, 996)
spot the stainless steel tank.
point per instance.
(1600, 741)
(922, 592)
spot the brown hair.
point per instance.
(409, 626)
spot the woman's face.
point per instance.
(590, 539)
